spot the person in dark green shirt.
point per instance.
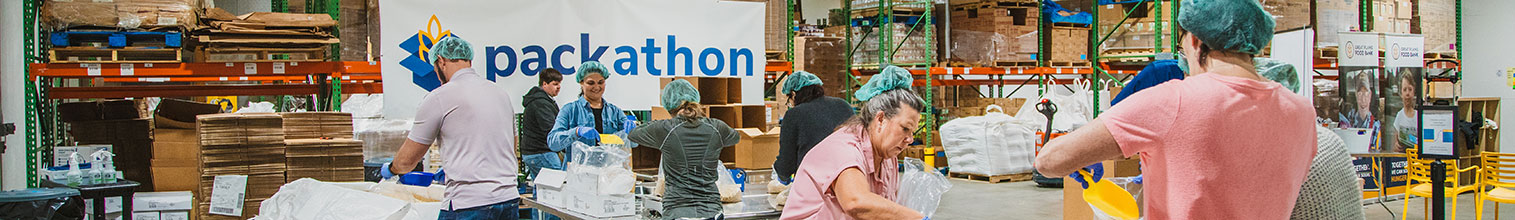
(691, 145)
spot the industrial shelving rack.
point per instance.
(48, 84)
(884, 19)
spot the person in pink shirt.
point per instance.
(853, 173)
(1223, 143)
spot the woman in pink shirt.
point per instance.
(853, 173)
(1223, 143)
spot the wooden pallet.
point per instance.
(262, 54)
(113, 55)
(1326, 52)
(1068, 64)
(1441, 56)
(897, 11)
(1128, 52)
(995, 4)
(991, 179)
(774, 55)
(1016, 63)
(1065, 24)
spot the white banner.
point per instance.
(1404, 50)
(1358, 49)
(515, 39)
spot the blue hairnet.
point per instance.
(591, 67)
(893, 77)
(798, 80)
(451, 48)
(1228, 25)
(1278, 71)
(678, 92)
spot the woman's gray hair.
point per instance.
(889, 104)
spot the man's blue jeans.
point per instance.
(536, 162)
(508, 210)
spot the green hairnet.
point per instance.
(1228, 25)
(678, 92)
(451, 48)
(1278, 71)
(798, 80)
(591, 67)
(893, 77)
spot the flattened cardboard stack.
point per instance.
(332, 160)
(985, 34)
(264, 36)
(249, 144)
(307, 125)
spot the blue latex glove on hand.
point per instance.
(385, 173)
(1097, 171)
(441, 177)
(631, 123)
(588, 134)
(1137, 180)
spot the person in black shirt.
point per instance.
(813, 117)
(537, 120)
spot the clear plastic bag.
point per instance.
(921, 190)
(609, 165)
(730, 190)
(1129, 183)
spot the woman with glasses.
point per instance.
(585, 119)
(853, 174)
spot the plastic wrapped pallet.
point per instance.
(1333, 17)
(1438, 22)
(128, 14)
(992, 144)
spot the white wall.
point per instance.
(12, 103)
(1486, 49)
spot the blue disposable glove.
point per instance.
(1137, 180)
(384, 172)
(631, 123)
(441, 176)
(1097, 171)
(588, 134)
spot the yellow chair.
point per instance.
(1419, 184)
(1497, 167)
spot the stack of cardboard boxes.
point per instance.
(120, 124)
(722, 100)
(176, 144)
(995, 33)
(1070, 46)
(264, 36)
(331, 160)
(246, 145)
(824, 57)
(1438, 23)
(1392, 16)
(307, 125)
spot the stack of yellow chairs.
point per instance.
(1496, 169)
(1419, 183)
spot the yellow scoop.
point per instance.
(1110, 198)
(611, 139)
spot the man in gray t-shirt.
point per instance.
(472, 120)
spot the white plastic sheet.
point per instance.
(311, 199)
(920, 190)
(992, 144)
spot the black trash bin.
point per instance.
(41, 203)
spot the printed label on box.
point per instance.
(227, 194)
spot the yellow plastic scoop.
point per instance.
(611, 139)
(1110, 198)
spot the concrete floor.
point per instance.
(1023, 200)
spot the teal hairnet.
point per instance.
(1228, 25)
(1278, 71)
(798, 80)
(451, 48)
(893, 77)
(678, 92)
(591, 67)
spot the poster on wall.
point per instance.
(1361, 109)
(639, 41)
(1401, 89)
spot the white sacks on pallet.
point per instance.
(992, 144)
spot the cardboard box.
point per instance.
(163, 201)
(179, 113)
(61, 153)
(602, 206)
(176, 144)
(549, 186)
(757, 149)
(1070, 44)
(175, 174)
(1074, 206)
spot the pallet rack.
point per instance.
(48, 84)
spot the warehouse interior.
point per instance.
(278, 109)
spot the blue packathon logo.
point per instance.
(629, 60)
